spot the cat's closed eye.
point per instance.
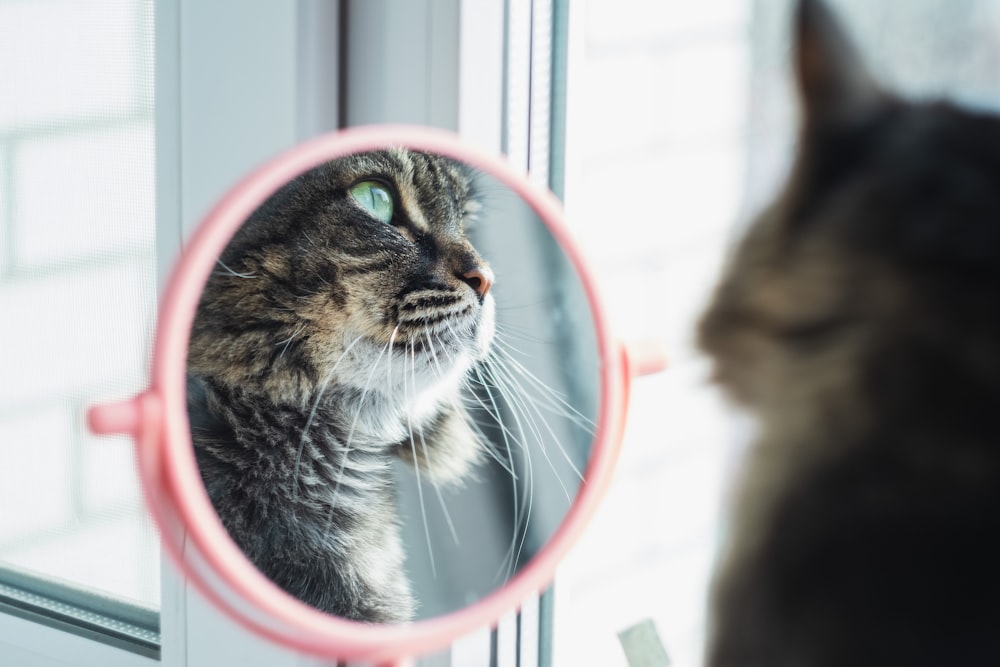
(810, 332)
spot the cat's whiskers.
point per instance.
(509, 558)
(311, 242)
(288, 341)
(231, 272)
(388, 361)
(528, 399)
(346, 451)
(522, 518)
(520, 405)
(416, 463)
(469, 398)
(505, 431)
(527, 396)
(312, 416)
(423, 445)
(514, 392)
(434, 356)
(495, 414)
(556, 402)
(508, 330)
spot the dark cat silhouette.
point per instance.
(859, 321)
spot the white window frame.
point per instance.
(214, 123)
(450, 48)
(28, 643)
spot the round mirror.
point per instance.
(385, 399)
(392, 385)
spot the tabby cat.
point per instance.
(334, 336)
(859, 321)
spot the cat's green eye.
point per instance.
(374, 198)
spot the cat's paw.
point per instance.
(446, 450)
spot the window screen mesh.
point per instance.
(77, 288)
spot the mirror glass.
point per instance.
(392, 385)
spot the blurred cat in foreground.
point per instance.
(859, 322)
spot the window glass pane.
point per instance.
(77, 288)
(656, 109)
(681, 125)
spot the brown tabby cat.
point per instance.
(859, 320)
(335, 336)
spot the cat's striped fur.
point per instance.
(327, 343)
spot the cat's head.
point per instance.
(356, 269)
(884, 244)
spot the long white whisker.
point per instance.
(506, 329)
(416, 463)
(475, 401)
(288, 341)
(522, 406)
(476, 425)
(388, 361)
(501, 373)
(484, 441)
(528, 502)
(504, 377)
(312, 415)
(491, 410)
(434, 356)
(512, 381)
(560, 405)
(496, 414)
(423, 446)
(508, 561)
(230, 272)
(354, 423)
(522, 518)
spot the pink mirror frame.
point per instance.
(157, 420)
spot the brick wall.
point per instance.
(77, 286)
(660, 98)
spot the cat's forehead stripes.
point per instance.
(429, 187)
(409, 194)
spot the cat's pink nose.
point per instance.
(480, 279)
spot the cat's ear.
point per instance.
(834, 85)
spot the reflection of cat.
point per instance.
(335, 334)
(860, 321)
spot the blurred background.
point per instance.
(77, 287)
(682, 123)
(675, 124)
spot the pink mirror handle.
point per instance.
(646, 357)
(138, 417)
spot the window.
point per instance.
(78, 285)
(656, 115)
(681, 126)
